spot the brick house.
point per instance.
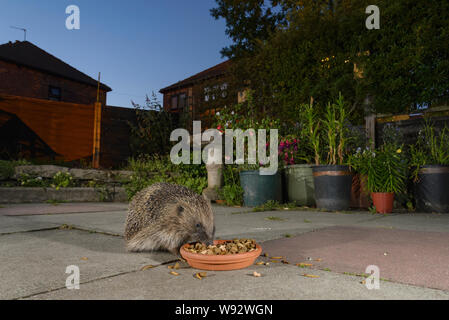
(202, 94)
(28, 71)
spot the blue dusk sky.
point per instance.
(139, 46)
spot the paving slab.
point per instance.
(411, 257)
(277, 282)
(15, 224)
(109, 221)
(34, 262)
(59, 208)
(438, 222)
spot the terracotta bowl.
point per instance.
(220, 262)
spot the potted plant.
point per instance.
(328, 138)
(384, 173)
(298, 173)
(430, 169)
(257, 188)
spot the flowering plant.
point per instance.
(383, 169)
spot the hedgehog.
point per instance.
(165, 216)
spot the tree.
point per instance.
(247, 21)
(321, 48)
(151, 132)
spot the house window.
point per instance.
(206, 94)
(54, 93)
(179, 101)
(215, 91)
(224, 90)
(174, 102)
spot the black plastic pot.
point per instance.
(332, 187)
(432, 189)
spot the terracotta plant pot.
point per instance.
(220, 262)
(383, 201)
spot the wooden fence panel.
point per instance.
(409, 126)
(67, 128)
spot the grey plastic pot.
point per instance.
(299, 184)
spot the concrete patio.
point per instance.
(38, 242)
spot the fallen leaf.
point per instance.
(310, 275)
(170, 267)
(174, 273)
(176, 266)
(303, 265)
(277, 257)
(197, 275)
(84, 258)
(363, 282)
(147, 267)
(202, 274)
(319, 259)
(259, 263)
(285, 262)
(274, 261)
(256, 274)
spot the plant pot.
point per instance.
(258, 189)
(431, 190)
(299, 184)
(360, 197)
(332, 187)
(220, 262)
(383, 201)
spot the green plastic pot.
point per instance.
(299, 184)
(258, 189)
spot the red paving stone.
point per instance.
(411, 257)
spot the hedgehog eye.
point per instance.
(198, 225)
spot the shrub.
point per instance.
(151, 169)
(431, 148)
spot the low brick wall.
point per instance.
(36, 195)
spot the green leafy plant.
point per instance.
(151, 169)
(312, 129)
(384, 169)
(431, 148)
(26, 180)
(231, 192)
(61, 180)
(7, 167)
(270, 205)
(328, 133)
